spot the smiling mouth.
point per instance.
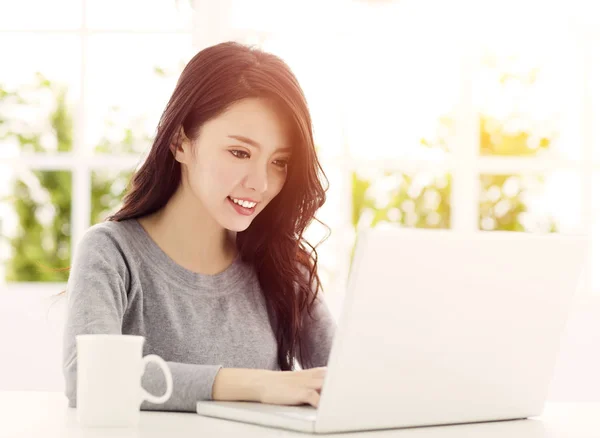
(246, 209)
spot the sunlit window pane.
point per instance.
(420, 200)
(318, 73)
(38, 93)
(595, 95)
(595, 265)
(528, 95)
(139, 14)
(129, 82)
(40, 14)
(333, 214)
(533, 203)
(400, 95)
(35, 212)
(108, 188)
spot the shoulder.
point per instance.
(109, 237)
(107, 247)
(109, 231)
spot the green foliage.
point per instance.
(41, 247)
(405, 199)
(131, 138)
(509, 221)
(42, 199)
(108, 190)
(109, 187)
(500, 209)
(504, 211)
(494, 140)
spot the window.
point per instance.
(76, 115)
(489, 133)
(463, 133)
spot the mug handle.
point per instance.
(168, 377)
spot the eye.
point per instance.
(239, 154)
(282, 164)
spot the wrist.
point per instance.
(258, 382)
(240, 384)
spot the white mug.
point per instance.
(109, 380)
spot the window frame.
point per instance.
(80, 161)
(463, 162)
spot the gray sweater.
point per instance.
(121, 282)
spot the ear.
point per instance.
(180, 145)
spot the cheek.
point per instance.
(276, 182)
(222, 178)
(208, 182)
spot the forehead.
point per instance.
(258, 119)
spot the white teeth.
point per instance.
(245, 204)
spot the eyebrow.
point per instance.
(256, 144)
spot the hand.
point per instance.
(293, 387)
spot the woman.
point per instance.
(206, 257)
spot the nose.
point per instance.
(257, 179)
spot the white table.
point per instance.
(46, 414)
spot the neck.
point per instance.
(185, 231)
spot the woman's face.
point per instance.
(239, 157)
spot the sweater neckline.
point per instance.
(221, 283)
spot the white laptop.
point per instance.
(438, 328)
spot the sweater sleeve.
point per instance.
(96, 303)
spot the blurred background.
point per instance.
(464, 115)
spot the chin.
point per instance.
(237, 227)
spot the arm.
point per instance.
(97, 300)
(317, 334)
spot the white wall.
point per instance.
(31, 325)
(31, 345)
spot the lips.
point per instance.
(241, 210)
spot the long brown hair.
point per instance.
(286, 264)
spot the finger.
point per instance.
(314, 383)
(310, 372)
(312, 398)
(320, 371)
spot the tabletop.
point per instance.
(46, 414)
